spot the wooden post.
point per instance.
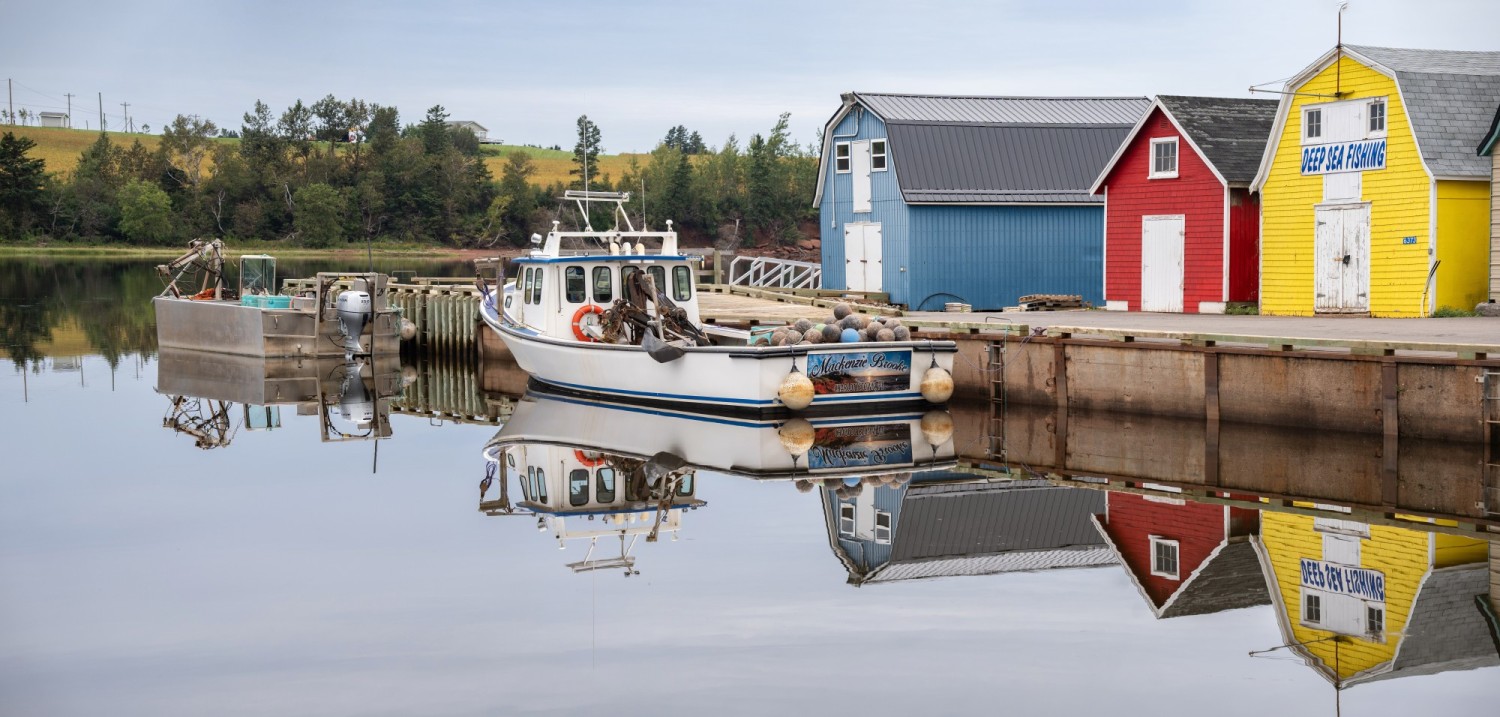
(1390, 390)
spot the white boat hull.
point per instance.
(736, 378)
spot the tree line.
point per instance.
(334, 171)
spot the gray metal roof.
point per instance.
(939, 522)
(951, 109)
(1001, 163)
(1231, 132)
(1232, 580)
(1450, 96)
(1446, 631)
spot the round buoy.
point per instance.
(937, 385)
(587, 314)
(802, 325)
(849, 336)
(937, 427)
(589, 459)
(851, 480)
(796, 391)
(797, 435)
(842, 310)
(408, 330)
(408, 375)
(885, 335)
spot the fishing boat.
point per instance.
(607, 313)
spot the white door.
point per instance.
(1162, 239)
(862, 257)
(861, 175)
(1341, 259)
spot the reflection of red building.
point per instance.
(1186, 558)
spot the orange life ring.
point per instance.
(585, 458)
(578, 319)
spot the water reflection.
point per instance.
(213, 396)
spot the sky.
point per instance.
(526, 70)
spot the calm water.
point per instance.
(275, 573)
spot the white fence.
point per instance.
(781, 273)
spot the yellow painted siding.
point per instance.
(1402, 555)
(1399, 196)
(1463, 243)
(1494, 228)
(1451, 550)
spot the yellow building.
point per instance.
(1373, 200)
(1364, 602)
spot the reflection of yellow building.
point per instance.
(1362, 602)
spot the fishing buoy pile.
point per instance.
(851, 486)
(843, 326)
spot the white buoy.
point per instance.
(796, 391)
(937, 385)
(408, 330)
(937, 427)
(797, 436)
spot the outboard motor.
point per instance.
(356, 405)
(354, 313)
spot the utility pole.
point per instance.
(69, 95)
(125, 112)
(101, 112)
(10, 96)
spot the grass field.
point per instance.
(60, 149)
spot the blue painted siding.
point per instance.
(887, 209)
(990, 256)
(987, 256)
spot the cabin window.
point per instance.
(536, 287)
(531, 483)
(573, 284)
(1377, 116)
(682, 283)
(526, 286)
(841, 157)
(541, 485)
(626, 272)
(604, 290)
(1313, 125)
(604, 492)
(1374, 619)
(1312, 609)
(578, 487)
(1164, 557)
(846, 519)
(877, 155)
(659, 276)
(685, 486)
(1163, 158)
(882, 527)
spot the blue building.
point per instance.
(979, 200)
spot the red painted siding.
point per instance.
(1195, 193)
(1132, 520)
(1244, 245)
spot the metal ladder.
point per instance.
(1491, 431)
(996, 370)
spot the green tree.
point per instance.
(517, 198)
(319, 215)
(145, 212)
(21, 185)
(185, 145)
(586, 154)
(434, 131)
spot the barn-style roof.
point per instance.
(948, 149)
(1446, 630)
(1450, 96)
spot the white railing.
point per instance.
(782, 273)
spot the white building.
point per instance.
(54, 119)
(479, 130)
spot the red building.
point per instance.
(1181, 229)
(1186, 558)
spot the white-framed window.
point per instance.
(1377, 116)
(1312, 609)
(846, 519)
(882, 527)
(1312, 123)
(877, 155)
(1374, 619)
(841, 157)
(1164, 557)
(1163, 158)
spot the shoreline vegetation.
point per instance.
(341, 174)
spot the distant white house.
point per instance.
(53, 119)
(479, 130)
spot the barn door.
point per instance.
(861, 164)
(1341, 259)
(862, 251)
(1162, 241)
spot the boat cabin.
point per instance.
(560, 291)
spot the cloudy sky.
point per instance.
(527, 69)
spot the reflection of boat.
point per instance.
(621, 321)
(351, 399)
(797, 448)
(256, 321)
